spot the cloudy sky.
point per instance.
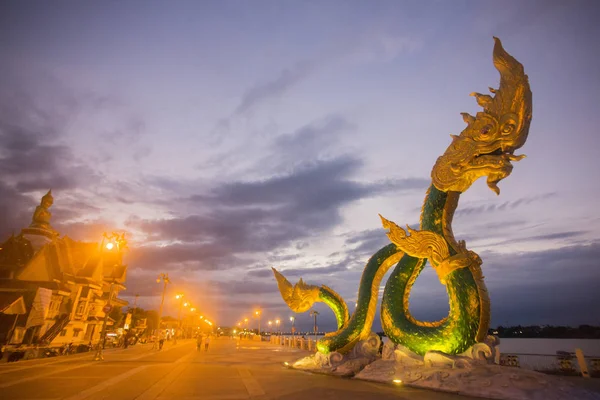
(227, 137)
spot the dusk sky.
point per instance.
(229, 137)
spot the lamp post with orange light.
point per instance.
(192, 318)
(314, 313)
(115, 243)
(277, 325)
(293, 321)
(257, 313)
(165, 279)
(179, 297)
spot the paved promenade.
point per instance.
(229, 370)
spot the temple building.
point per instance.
(55, 290)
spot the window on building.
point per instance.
(80, 308)
(76, 332)
(63, 332)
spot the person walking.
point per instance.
(206, 343)
(161, 341)
(199, 342)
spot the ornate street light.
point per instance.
(165, 279)
(179, 297)
(118, 243)
(257, 313)
(314, 313)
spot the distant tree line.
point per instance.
(547, 331)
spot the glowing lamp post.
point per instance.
(165, 279)
(314, 313)
(293, 320)
(180, 298)
(270, 323)
(115, 242)
(257, 313)
(277, 325)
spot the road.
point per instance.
(229, 370)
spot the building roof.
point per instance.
(12, 303)
(15, 252)
(12, 285)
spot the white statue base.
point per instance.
(348, 365)
(472, 373)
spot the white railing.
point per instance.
(294, 342)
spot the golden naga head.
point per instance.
(486, 147)
(299, 297)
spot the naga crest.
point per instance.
(486, 147)
(299, 297)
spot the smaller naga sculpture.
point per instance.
(485, 148)
(40, 221)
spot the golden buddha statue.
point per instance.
(41, 215)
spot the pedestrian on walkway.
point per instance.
(161, 342)
(199, 342)
(206, 343)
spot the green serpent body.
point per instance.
(455, 333)
(354, 329)
(452, 335)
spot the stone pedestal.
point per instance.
(38, 237)
(472, 373)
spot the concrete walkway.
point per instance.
(229, 370)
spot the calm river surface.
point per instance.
(590, 347)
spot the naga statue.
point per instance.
(485, 148)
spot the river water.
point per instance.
(590, 347)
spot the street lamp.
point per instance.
(107, 309)
(246, 321)
(165, 279)
(134, 309)
(257, 313)
(179, 297)
(277, 325)
(117, 242)
(270, 323)
(293, 320)
(314, 313)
